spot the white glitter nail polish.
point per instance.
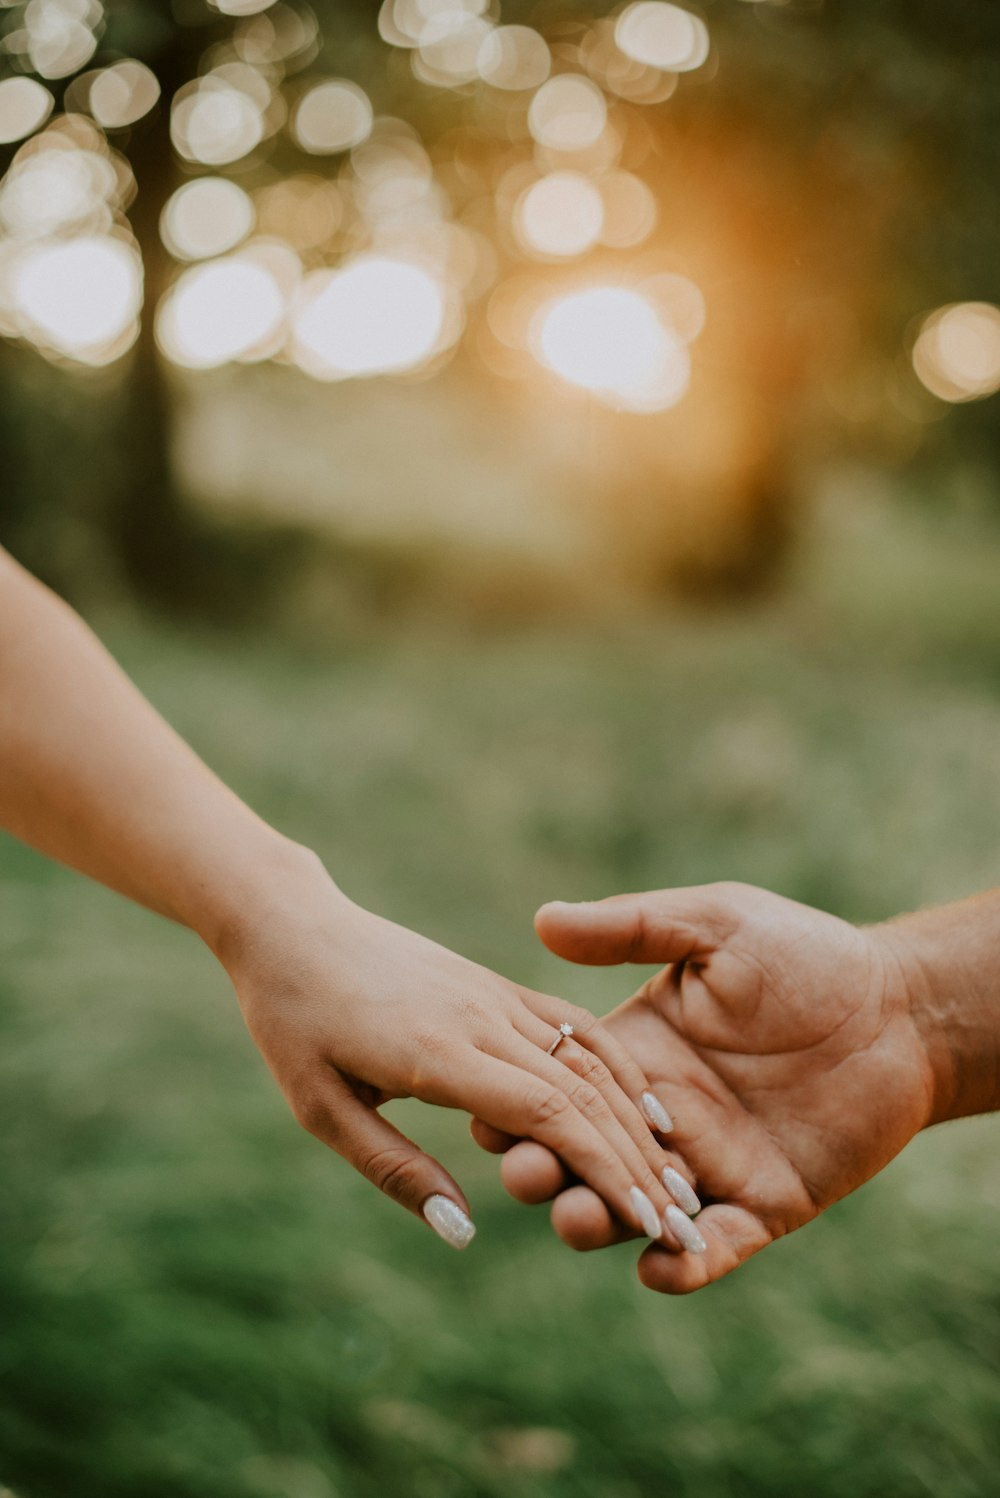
(645, 1211)
(449, 1221)
(680, 1190)
(656, 1114)
(684, 1231)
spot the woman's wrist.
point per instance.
(950, 958)
(274, 883)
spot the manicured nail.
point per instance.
(449, 1221)
(646, 1212)
(656, 1114)
(680, 1190)
(684, 1231)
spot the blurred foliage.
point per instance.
(199, 1301)
(839, 161)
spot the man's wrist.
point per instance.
(950, 959)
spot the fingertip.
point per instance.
(493, 1141)
(584, 1222)
(531, 1173)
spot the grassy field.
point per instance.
(197, 1301)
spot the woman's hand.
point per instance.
(787, 1044)
(350, 1010)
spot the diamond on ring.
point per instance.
(565, 1031)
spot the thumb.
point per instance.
(670, 925)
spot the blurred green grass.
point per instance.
(197, 1301)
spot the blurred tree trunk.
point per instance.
(152, 536)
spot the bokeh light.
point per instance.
(332, 116)
(568, 113)
(514, 58)
(957, 352)
(214, 123)
(561, 214)
(206, 217)
(122, 94)
(64, 180)
(59, 36)
(374, 316)
(229, 309)
(609, 340)
(25, 104)
(80, 297)
(659, 35)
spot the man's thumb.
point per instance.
(660, 926)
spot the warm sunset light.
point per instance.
(957, 353)
(610, 341)
(80, 297)
(218, 312)
(376, 316)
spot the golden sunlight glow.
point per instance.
(514, 57)
(678, 303)
(561, 214)
(957, 352)
(332, 116)
(122, 94)
(206, 217)
(664, 36)
(24, 105)
(610, 341)
(80, 297)
(629, 210)
(229, 309)
(568, 113)
(375, 316)
(213, 123)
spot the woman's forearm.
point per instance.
(91, 775)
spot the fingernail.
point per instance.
(684, 1231)
(449, 1221)
(680, 1190)
(656, 1114)
(646, 1212)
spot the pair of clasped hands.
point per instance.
(774, 1063)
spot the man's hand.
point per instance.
(781, 1040)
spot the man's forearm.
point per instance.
(92, 776)
(951, 956)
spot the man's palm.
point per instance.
(780, 1040)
